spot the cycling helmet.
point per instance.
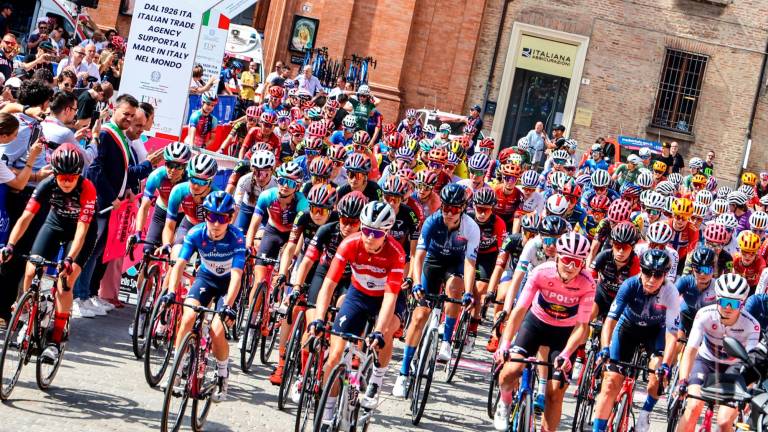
(732, 286)
(268, 118)
(322, 195)
(660, 167)
(655, 260)
(511, 169)
(624, 232)
(560, 155)
(573, 245)
(453, 194)
(655, 200)
(296, 129)
(276, 92)
(394, 186)
(259, 146)
(553, 225)
(252, 111)
(530, 179)
(748, 190)
(716, 233)
(66, 159)
(337, 153)
(571, 189)
(357, 162)
(479, 162)
(571, 143)
(703, 257)
(723, 191)
(313, 143)
(317, 129)
(696, 163)
(699, 180)
(262, 159)
(361, 138)
(453, 160)
(660, 233)
(599, 203)
(351, 205)
(601, 178)
(645, 180)
(458, 147)
(424, 145)
(682, 207)
(406, 175)
(378, 215)
(703, 197)
(515, 159)
(484, 196)
(749, 178)
(202, 166)
(583, 180)
(404, 153)
(350, 121)
(522, 144)
(177, 152)
(666, 188)
(596, 148)
(729, 220)
(438, 155)
(530, 222)
(426, 177)
(395, 141)
(749, 242)
(619, 211)
(758, 220)
(487, 143)
(644, 153)
(711, 184)
(321, 167)
(630, 190)
(410, 113)
(699, 210)
(737, 198)
(219, 202)
(764, 200)
(332, 105)
(430, 130)
(283, 115)
(557, 205)
(290, 170)
(364, 90)
(210, 98)
(445, 128)
(719, 206)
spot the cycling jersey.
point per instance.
(577, 218)
(337, 137)
(428, 206)
(708, 333)
(751, 272)
(674, 259)
(513, 246)
(492, 233)
(693, 298)
(304, 225)
(532, 256)
(454, 245)
(591, 165)
(408, 130)
(372, 274)
(268, 205)
(506, 204)
(158, 182)
(590, 193)
(247, 191)
(633, 306)
(204, 125)
(406, 228)
(557, 303)
(181, 199)
(417, 209)
(624, 175)
(372, 191)
(757, 306)
(684, 241)
(533, 204)
(66, 208)
(607, 274)
(217, 257)
(256, 135)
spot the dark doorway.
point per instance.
(535, 97)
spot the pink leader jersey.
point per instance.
(556, 303)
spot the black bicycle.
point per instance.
(589, 382)
(151, 268)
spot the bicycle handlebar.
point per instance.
(38, 261)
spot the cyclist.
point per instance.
(478, 165)
(559, 295)
(446, 252)
(601, 182)
(251, 185)
(376, 260)
(72, 201)
(705, 355)
(312, 148)
(685, 235)
(619, 211)
(410, 125)
(595, 162)
(358, 166)
(575, 214)
(240, 128)
(262, 133)
(737, 203)
(221, 249)
(436, 160)
(696, 289)
(747, 262)
(362, 105)
(344, 136)
(716, 236)
(644, 313)
(202, 122)
(613, 266)
(660, 170)
(508, 196)
(653, 205)
(425, 195)
(320, 170)
(628, 172)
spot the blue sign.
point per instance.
(634, 143)
(224, 111)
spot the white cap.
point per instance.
(13, 82)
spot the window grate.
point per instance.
(679, 91)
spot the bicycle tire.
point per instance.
(457, 346)
(494, 394)
(163, 344)
(45, 373)
(242, 302)
(674, 413)
(207, 387)
(308, 399)
(615, 421)
(672, 385)
(425, 372)
(12, 332)
(364, 374)
(268, 343)
(584, 405)
(188, 347)
(525, 413)
(292, 360)
(337, 374)
(144, 305)
(252, 330)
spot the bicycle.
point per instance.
(674, 376)
(588, 382)
(718, 389)
(241, 303)
(292, 368)
(260, 323)
(458, 342)
(151, 267)
(426, 357)
(522, 414)
(348, 383)
(26, 333)
(618, 420)
(194, 371)
(493, 389)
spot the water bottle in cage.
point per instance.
(45, 310)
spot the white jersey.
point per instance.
(708, 333)
(674, 257)
(248, 191)
(763, 282)
(532, 255)
(534, 202)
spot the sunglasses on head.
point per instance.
(174, 165)
(705, 270)
(373, 233)
(549, 241)
(570, 261)
(199, 182)
(726, 303)
(218, 218)
(452, 209)
(654, 274)
(289, 183)
(349, 221)
(67, 177)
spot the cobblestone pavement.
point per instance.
(101, 387)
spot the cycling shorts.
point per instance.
(270, 244)
(627, 338)
(702, 368)
(686, 320)
(603, 301)
(534, 334)
(435, 273)
(484, 266)
(317, 283)
(244, 215)
(156, 226)
(181, 231)
(359, 309)
(207, 288)
(49, 239)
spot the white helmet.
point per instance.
(560, 154)
(378, 215)
(601, 178)
(700, 209)
(732, 286)
(719, 206)
(364, 90)
(660, 233)
(654, 200)
(729, 220)
(666, 188)
(202, 166)
(704, 196)
(523, 144)
(574, 245)
(557, 205)
(645, 180)
(262, 159)
(350, 121)
(177, 152)
(530, 178)
(644, 153)
(758, 220)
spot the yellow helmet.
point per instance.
(660, 167)
(749, 178)
(682, 207)
(699, 179)
(749, 242)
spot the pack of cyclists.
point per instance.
(365, 238)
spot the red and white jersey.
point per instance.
(372, 274)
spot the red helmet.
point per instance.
(296, 129)
(332, 104)
(571, 189)
(296, 113)
(252, 111)
(599, 203)
(487, 142)
(276, 92)
(361, 138)
(321, 167)
(307, 105)
(619, 211)
(318, 129)
(313, 143)
(268, 118)
(388, 128)
(395, 141)
(337, 153)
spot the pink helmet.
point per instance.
(573, 245)
(717, 233)
(318, 129)
(619, 211)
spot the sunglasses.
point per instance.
(712, 245)
(726, 303)
(680, 218)
(654, 274)
(705, 270)
(349, 221)
(356, 175)
(392, 197)
(311, 152)
(424, 187)
(218, 218)
(529, 190)
(622, 246)
(654, 212)
(174, 165)
(510, 179)
(261, 173)
(452, 209)
(483, 209)
(267, 125)
(373, 233)
(477, 173)
(600, 213)
(319, 179)
(67, 178)
(199, 182)
(289, 183)
(298, 135)
(570, 261)
(318, 211)
(549, 241)
(559, 161)
(435, 165)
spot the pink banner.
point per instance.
(121, 225)
(137, 250)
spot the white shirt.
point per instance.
(55, 131)
(91, 68)
(6, 174)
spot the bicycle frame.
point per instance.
(349, 398)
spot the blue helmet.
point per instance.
(219, 202)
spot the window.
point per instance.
(679, 91)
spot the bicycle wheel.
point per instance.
(201, 405)
(676, 409)
(523, 415)
(669, 390)
(144, 302)
(307, 408)
(457, 346)
(242, 302)
(493, 392)
(292, 366)
(616, 419)
(182, 371)
(252, 330)
(159, 344)
(584, 403)
(424, 373)
(46, 372)
(273, 325)
(364, 376)
(336, 379)
(16, 345)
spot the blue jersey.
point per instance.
(217, 257)
(181, 199)
(578, 219)
(589, 193)
(301, 161)
(159, 184)
(203, 124)
(268, 205)
(633, 306)
(757, 306)
(454, 245)
(693, 299)
(591, 165)
(337, 137)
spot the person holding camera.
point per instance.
(42, 60)
(38, 36)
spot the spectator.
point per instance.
(39, 35)
(87, 103)
(198, 86)
(230, 77)
(11, 90)
(277, 72)
(58, 42)
(475, 120)
(111, 66)
(536, 139)
(249, 80)
(342, 98)
(56, 129)
(145, 116)
(92, 62)
(9, 50)
(66, 81)
(5, 13)
(709, 164)
(45, 76)
(41, 60)
(98, 40)
(678, 162)
(341, 84)
(609, 150)
(309, 82)
(665, 156)
(77, 64)
(558, 139)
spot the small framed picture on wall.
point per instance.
(303, 33)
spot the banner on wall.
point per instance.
(213, 37)
(160, 54)
(547, 56)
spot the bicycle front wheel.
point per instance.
(159, 344)
(457, 346)
(177, 389)
(522, 414)
(45, 372)
(307, 409)
(584, 402)
(423, 380)
(269, 341)
(493, 392)
(676, 409)
(16, 345)
(144, 302)
(201, 404)
(334, 384)
(620, 410)
(249, 341)
(292, 366)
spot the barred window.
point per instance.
(679, 91)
